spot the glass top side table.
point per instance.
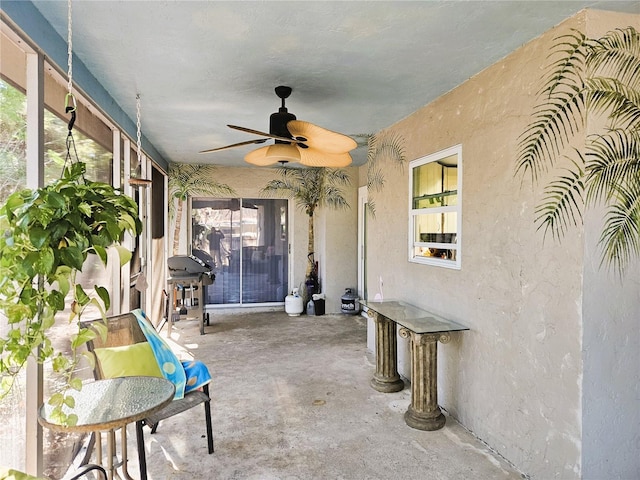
(105, 405)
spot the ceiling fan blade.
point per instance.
(248, 142)
(264, 134)
(312, 157)
(320, 138)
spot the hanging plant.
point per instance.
(47, 234)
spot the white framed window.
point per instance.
(435, 208)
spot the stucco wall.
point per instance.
(611, 357)
(611, 340)
(333, 230)
(336, 243)
(515, 379)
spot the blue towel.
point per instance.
(186, 376)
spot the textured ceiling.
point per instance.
(355, 67)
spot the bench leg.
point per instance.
(207, 416)
(142, 458)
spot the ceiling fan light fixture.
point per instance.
(278, 153)
(283, 152)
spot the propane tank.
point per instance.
(349, 302)
(293, 304)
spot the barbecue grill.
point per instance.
(189, 273)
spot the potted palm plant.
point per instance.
(47, 235)
(311, 188)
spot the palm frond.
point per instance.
(571, 60)
(621, 101)
(189, 180)
(371, 206)
(563, 203)
(560, 114)
(555, 122)
(372, 148)
(617, 54)
(375, 179)
(590, 76)
(620, 238)
(389, 145)
(310, 187)
(612, 159)
(386, 145)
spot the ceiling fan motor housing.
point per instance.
(278, 123)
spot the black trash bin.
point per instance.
(318, 304)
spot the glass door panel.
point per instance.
(247, 242)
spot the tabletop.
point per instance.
(412, 317)
(112, 403)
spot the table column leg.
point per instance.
(424, 412)
(125, 453)
(111, 451)
(98, 447)
(386, 378)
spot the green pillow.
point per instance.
(10, 474)
(128, 361)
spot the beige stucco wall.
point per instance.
(516, 378)
(335, 232)
(611, 342)
(336, 244)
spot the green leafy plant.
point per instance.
(590, 77)
(46, 237)
(311, 188)
(190, 180)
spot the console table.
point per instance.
(423, 329)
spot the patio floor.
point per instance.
(291, 400)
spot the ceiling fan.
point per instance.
(295, 141)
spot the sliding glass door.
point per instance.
(246, 242)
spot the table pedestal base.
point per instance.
(424, 420)
(386, 385)
(424, 412)
(386, 378)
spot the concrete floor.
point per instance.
(291, 400)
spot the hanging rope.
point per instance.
(139, 141)
(136, 178)
(69, 49)
(70, 105)
(70, 101)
